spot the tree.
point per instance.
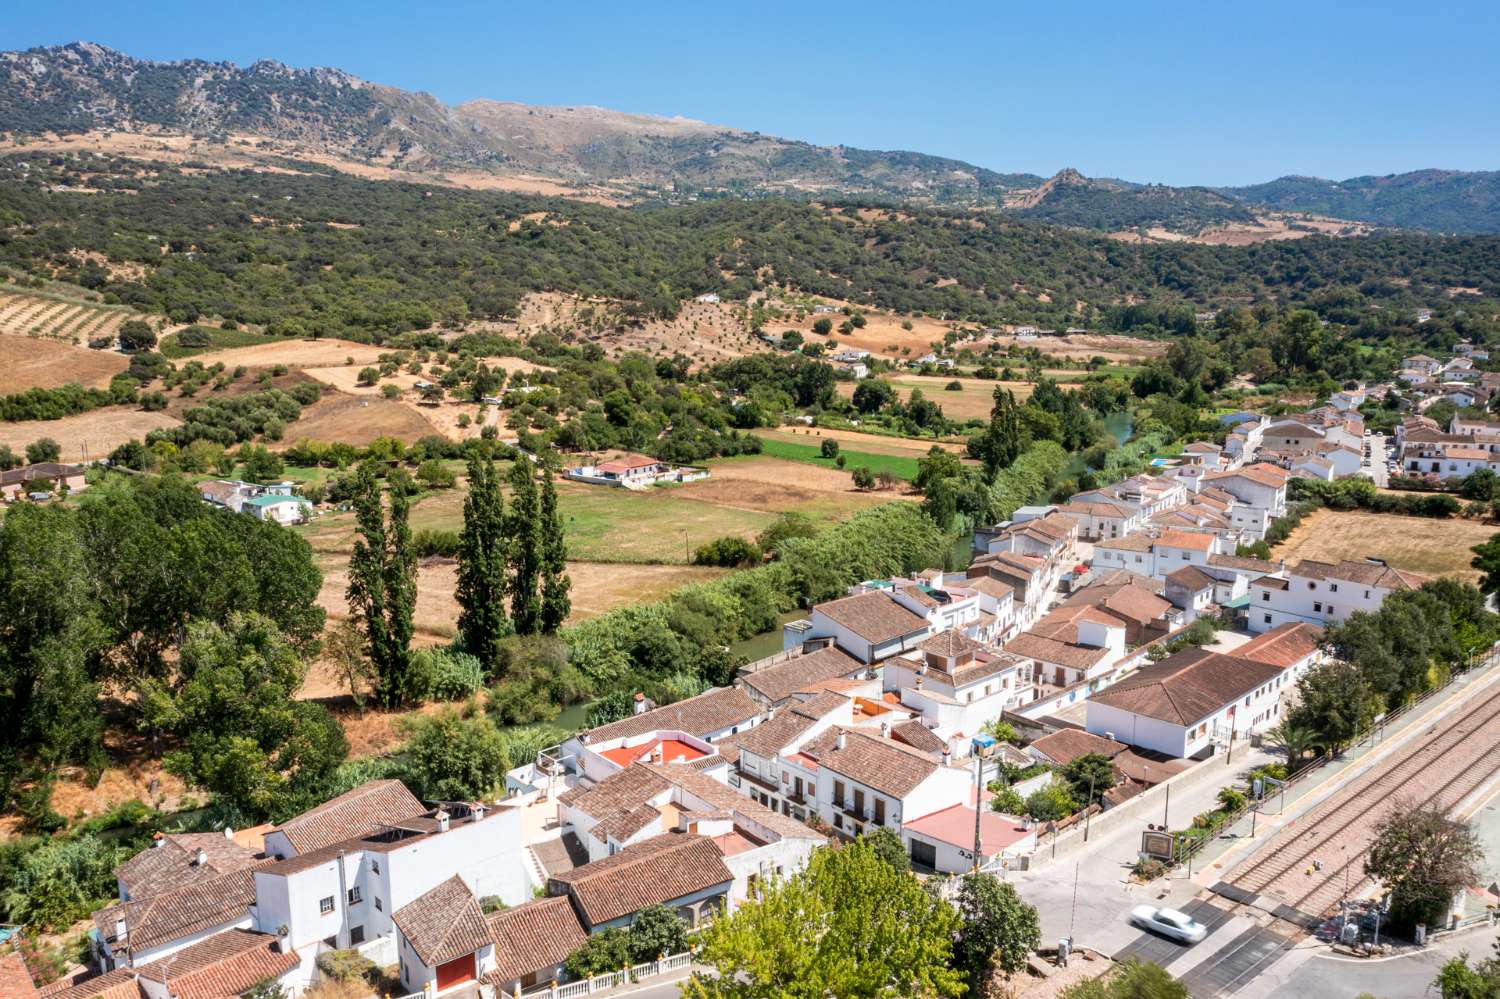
(1050, 803)
(1459, 980)
(1293, 739)
(1003, 440)
(43, 449)
(1423, 859)
(433, 474)
(454, 758)
(382, 589)
(136, 334)
(1331, 704)
(260, 464)
(863, 478)
(1088, 777)
(887, 846)
(999, 930)
(846, 925)
(1487, 561)
(556, 603)
(8, 458)
(829, 448)
(344, 649)
(480, 590)
(1133, 979)
(872, 395)
(823, 326)
(245, 736)
(524, 557)
(656, 932)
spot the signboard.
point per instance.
(1157, 845)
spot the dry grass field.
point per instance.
(855, 441)
(776, 485)
(297, 354)
(87, 435)
(33, 362)
(359, 420)
(972, 402)
(1416, 544)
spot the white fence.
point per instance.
(599, 983)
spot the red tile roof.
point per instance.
(720, 708)
(777, 683)
(1187, 687)
(443, 924)
(1285, 645)
(172, 862)
(1066, 745)
(655, 871)
(159, 919)
(874, 617)
(15, 980)
(225, 964)
(533, 937)
(352, 814)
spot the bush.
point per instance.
(435, 541)
(345, 965)
(195, 336)
(450, 758)
(729, 552)
(954, 386)
(829, 448)
(433, 474)
(1148, 868)
(1051, 803)
(451, 675)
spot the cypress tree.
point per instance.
(555, 581)
(1003, 440)
(524, 533)
(482, 620)
(382, 589)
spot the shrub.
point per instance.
(435, 541)
(1051, 803)
(450, 675)
(829, 448)
(729, 551)
(954, 386)
(1231, 800)
(1148, 868)
(345, 965)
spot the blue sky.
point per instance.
(1208, 92)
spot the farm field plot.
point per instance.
(171, 349)
(26, 314)
(88, 435)
(972, 402)
(1416, 544)
(780, 485)
(296, 354)
(359, 420)
(901, 466)
(34, 362)
(857, 441)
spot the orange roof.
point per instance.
(1186, 539)
(954, 825)
(672, 751)
(1282, 646)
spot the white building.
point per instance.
(1320, 593)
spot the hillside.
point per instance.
(1072, 199)
(1439, 200)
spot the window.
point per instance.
(354, 898)
(378, 906)
(838, 820)
(1367, 594)
(1311, 585)
(325, 906)
(838, 793)
(1265, 594)
(356, 936)
(880, 811)
(859, 800)
(1266, 618)
(1333, 587)
(375, 866)
(1317, 607)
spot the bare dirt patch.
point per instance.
(358, 420)
(87, 435)
(32, 362)
(1416, 544)
(297, 354)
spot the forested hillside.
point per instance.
(328, 254)
(1440, 200)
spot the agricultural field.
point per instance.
(857, 440)
(222, 340)
(971, 402)
(88, 435)
(25, 314)
(32, 362)
(1416, 544)
(901, 466)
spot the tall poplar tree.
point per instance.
(383, 584)
(1004, 439)
(555, 582)
(482, 620)
(524, 561)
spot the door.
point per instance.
(923, 854)
(455, 972)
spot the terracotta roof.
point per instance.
(1129, 543)
(173, 863)
(1067, 744)
(991, 587)
(1195, 540)
(949, 644)
(1243, 562)
(1188, 686)
(720, 708)
(172, 915)
(1050, 650)
(443, 924)
(15, 979)
(1257, 473)
(117, 984)
(1191, 577)
(628, 461)
(222, 965)
(1363, 573)
(352, 814)
(655, 871)
(1088, 508)
(533, 937)
(916, 594)
(882, 765)
(986, 664)
(918, 736)
(777, 683)
(720, 796)
(1284, 645)
(619, 792)
(874, 617)
(1129, 600)
(39, 470)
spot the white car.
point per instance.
(1169, 923)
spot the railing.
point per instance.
(599, 983)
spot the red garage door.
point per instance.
(455, 972)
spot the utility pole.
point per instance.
(1088, 809)
(1166, 809)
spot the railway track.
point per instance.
(1450, 762)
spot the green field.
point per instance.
(901, 468)
(603, 524)
(222, 339)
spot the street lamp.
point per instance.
(983, 747)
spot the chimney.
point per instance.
(157, 839)
(202, 857)
(478, 812)
(228, 832)
(442, 821)
(885, 730)
(657, 754)
(947, 758)
(640, 703)
(838, 743)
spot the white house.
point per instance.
(865, 781)
(686, 730)
(1260, 490)
(956, 684)
(1188, 702)
(1321, 592)
(869, 626)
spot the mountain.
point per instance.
(1439, 200)
(267, 111)
(1071, 199)
(82, 86)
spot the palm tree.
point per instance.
(1294, 740)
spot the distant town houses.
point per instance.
(635, 471)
